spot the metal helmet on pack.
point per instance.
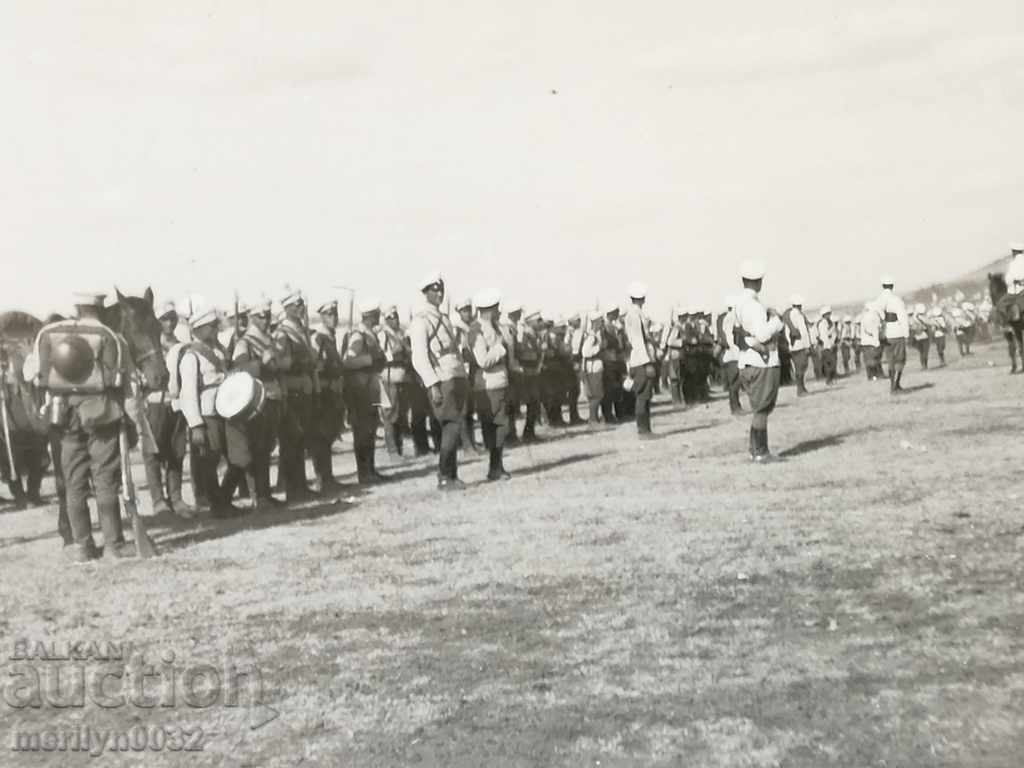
(73, 359)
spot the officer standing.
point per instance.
(394, 378)
(827, 340)
(759, 358)
(329, 408)
(257, 354)
(363, 362)
(799, 337)
(510, 324)
(300, 385)
(461, 322)
(642, 355)
(897, 329)
(613, 375)
(490, 380)
(437, 359)
(845, 342)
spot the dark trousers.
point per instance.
(940, 349)
(731, 382)
(93, 455)
(800, 359)
(529, 395)
(492, 408)
(328, 419)
(170, 433)
(844, 350)
(396, 417)
(362, 415)
(675, 380)
(923, 347)
(574, 390)
(828, 365)
(449, 414)
(423, 424)
(612, 381)
(295, 428)
(872, 361)
(643, 388)
(896, 352)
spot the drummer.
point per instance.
(201, 369)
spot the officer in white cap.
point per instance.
(896, 326)
(642, 357)
(828, 339)
(301, 385)
(845, 326)
(614, 353)
(490, 352)
(798, 337)
(437, 359)
(757, 337)
(364, 361)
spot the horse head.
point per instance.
(134, 318)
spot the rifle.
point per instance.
(4, 365)
(143, 544)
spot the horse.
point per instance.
(1013, 327)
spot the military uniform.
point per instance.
(556, 373)
(489, 345)
(363, 361)
(395, 380)
(90, 426)
(846, 343)
(642, 355)
(940, 329)
(328, 404)
(613, 371)
(798, 336)
(438, 361)
(300, 387)
(897, 329)
(871, 342)
(257, 354)
(828, 338)
(730, 356)
(756, 335)
(672, 354)
(571, 342)
(530, 348)
(920, 334)
(461, 326)
(592, 366)
(170, 435)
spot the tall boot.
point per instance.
(574, 410)
(110, 524)
(232, 478)
(496, 470)
(753, 443)
(254, 490)
(178, 505)
(20, 500)
(154, 480)
(466, 435)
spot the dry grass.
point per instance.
(617, 603)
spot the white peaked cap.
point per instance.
(729, 302)
(919, 309)
(486, 299)
(463, 303)
(637, 290)
(512, 305)
(1018, 246)
(936, 311)
(796, 300)
(366, 306)
(888, 280)
(203, 317)
(752, 269)
(430, 279)
(168, 308)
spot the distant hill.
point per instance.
(973, 284)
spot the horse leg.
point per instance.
(1012, 347)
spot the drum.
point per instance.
(239, 397)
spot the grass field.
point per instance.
(617, 604)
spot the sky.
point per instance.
(553, 150)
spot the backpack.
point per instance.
(78, 358)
